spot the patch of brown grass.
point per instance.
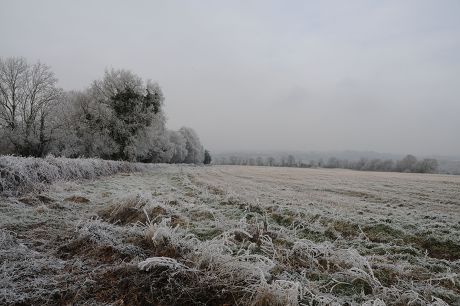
(77, 199)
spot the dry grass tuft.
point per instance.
(135, 208)
(77, 199)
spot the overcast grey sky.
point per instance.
(267, 75)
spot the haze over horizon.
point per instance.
(266, 75)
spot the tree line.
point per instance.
(407, 164)
(118, 117)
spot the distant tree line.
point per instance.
(118, 117)
(408, 164)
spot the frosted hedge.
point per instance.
(19, 175)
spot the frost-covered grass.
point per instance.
(19, 174)
(237, 236)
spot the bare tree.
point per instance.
(427, 165)
(270, 161)
(291, 161)
(28, 96)
(195, 151)
(179, 147)
(332, 162)
(12, 82)
(207, 157)
(407, 164)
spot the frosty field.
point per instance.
(234, 235)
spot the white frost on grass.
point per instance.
(24, 273)
(160, 262)
(258, 236)
(24, 174)
(222, 262)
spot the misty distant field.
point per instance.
(234, 235)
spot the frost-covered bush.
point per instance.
(24, 174)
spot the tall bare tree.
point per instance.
(195, 151)
(28, 96)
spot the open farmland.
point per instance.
(234, 235)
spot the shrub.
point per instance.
(25, 174)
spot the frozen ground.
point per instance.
(231, 235)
